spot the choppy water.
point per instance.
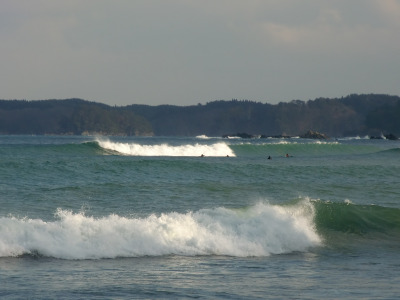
(113, 218)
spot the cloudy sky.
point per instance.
(185, 52)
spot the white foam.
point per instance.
(290, 142)
(319, 142)
(350, 138)
(348, 202)
(202, 136)
(135, 149)
(260, 230)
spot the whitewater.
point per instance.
(199, 217)
(136, 149)
(259, 231)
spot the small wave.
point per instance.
(202, 136)
(316, 142)
(350, 138)
(135, 149)
(260, 230)
(391, 151)
(319, 142)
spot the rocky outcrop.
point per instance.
(391, 136)
(314, 135)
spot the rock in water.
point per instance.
(314, 135)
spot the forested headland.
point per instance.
(371, 114)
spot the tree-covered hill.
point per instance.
(352, 115)
(71, 116)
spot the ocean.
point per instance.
(85, 217)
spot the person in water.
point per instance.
(287, 155)
(269, 157)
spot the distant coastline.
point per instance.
(375, 115)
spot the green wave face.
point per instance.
(357, 219)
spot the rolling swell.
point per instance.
(392, 151)
(361, 220)
(300, 148)
(84, 148)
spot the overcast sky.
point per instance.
(185, 52)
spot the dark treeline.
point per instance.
(71, 116)
(347, 116)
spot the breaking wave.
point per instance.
(259, 230)
(136, 149)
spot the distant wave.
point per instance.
(349, 138)
(211, 147)
(259, 230)
(295, 142)
(202, 136)
(135, 149)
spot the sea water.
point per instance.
(176, 218)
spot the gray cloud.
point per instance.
(185, 52)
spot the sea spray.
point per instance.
(259, 230)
